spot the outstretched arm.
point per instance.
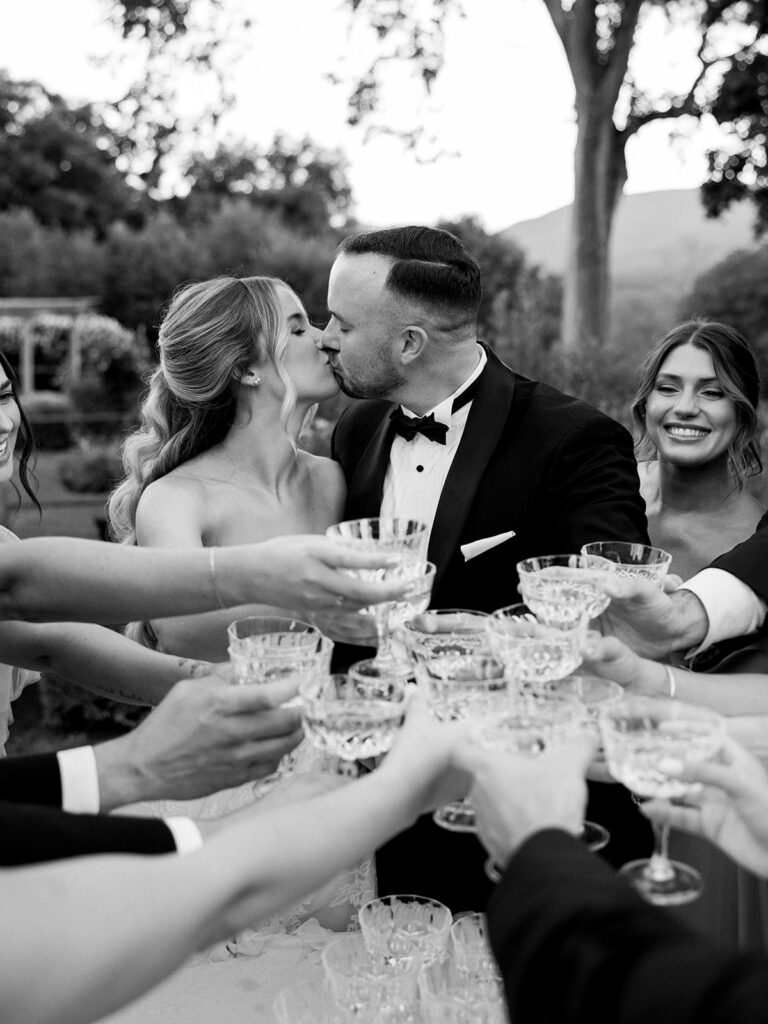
(61, 578)
(80, 926)
(98, 659)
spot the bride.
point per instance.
(216, 462)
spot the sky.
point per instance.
(503, 106)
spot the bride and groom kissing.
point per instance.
(499, 466)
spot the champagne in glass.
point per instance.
(539, 653)
(352, 718)
(643, 736)
(406, 539)
(563, 589)
(638, 561)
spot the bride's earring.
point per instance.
(251, 380)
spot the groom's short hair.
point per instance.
(429, 265)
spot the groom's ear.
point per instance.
(413, 342)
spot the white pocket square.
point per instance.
(479, 547)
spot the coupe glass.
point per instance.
(462, 686)
(639, 561)
(393, 925)
(271, 648)
(369, 990)
(538, 653)
(351, 716)
(562, 589)
(643, 736)
(445, 631)
(407, 539)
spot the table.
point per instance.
(238, 989)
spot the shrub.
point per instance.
(91, 468)
(50, 414)
(70, 708)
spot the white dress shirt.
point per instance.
(80, 795)
(732, 608)
(418, 468)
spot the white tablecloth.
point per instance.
(239, 989)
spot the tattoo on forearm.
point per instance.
(194, 669)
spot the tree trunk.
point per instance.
(599, 177)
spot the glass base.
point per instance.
(594, 836)
(665, 883)
(456, 817)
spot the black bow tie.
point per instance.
(409, 426)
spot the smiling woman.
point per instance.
(696, 414)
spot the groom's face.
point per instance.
(366, 319)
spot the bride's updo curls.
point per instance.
(212, 332)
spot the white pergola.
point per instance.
(26, 310)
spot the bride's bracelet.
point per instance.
(214, 577)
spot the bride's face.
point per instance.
(304, 363)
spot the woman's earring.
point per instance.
(251, 380)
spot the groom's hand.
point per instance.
(204, 736)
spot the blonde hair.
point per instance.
(212, 332)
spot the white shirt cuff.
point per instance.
(79, 780)
(185, 834)
(733, 609)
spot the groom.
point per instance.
(501, 467)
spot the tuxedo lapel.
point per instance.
(487, 415)
(367, 484)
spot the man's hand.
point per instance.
(305, 572)
(653, 623)
(204, 736)
(515, 795)
(731, 810)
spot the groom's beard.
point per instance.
(381, 380)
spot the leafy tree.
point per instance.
(520, 308)
(37, 260)
(59, 161)
(304, 184)
(176, 40)
(144, 267)
(734, 292)
(610, 105)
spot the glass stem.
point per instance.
(659, 867)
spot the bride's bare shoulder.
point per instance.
(177, 499)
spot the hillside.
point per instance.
(662, 241)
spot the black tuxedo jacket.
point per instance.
(33, 827)
(748, 561)
(533, 460)
(574, 943)
(559, 474)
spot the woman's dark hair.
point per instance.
(26, 450)
(737, 372)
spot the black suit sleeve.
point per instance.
(31, 779)
(575, 943)
(31, 834)
(748, 561)
(594, 484)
